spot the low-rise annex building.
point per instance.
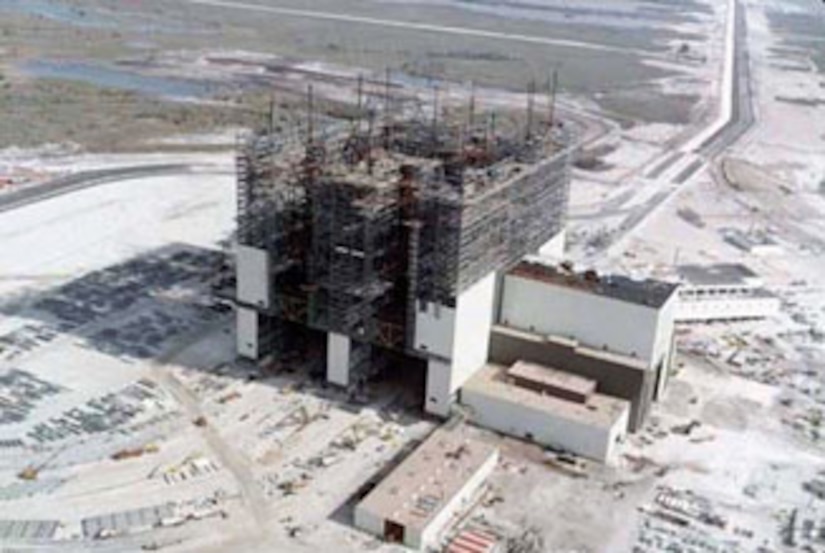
(547, 406)
(418, 500)
(723, 292)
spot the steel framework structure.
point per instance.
(363, 225)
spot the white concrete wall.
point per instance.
(338, 359)
(253, 276)
(434, 329)
(473, 323)
(692, 309)
(439, 396)
(369, 521)
(546, 428)
(593, 320)
(461, 336)
(414, 539)
(664, 343)
(246, 332)
(373, 523)
(455, 508)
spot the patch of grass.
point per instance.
(100, 119)
(649, 105)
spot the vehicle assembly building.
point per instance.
(383, 242)
(409, 244)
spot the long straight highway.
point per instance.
(677, 168)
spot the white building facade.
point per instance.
(613, 314)
(724, 292)
(428, 491)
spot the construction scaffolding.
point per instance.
(362, 221)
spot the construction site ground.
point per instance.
(111, 344)
(222, 457)
(128, 397)
(754, 387)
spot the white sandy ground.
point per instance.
(744, 457)
(87, 230)
(786, 143)
(54, 241)
(753, 445)
(748, 446)
(610, 192)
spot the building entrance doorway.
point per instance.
(393, 532)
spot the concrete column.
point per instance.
(338, 359)
(471, 330)
(247, 334)
(253, 274)
(439, 396)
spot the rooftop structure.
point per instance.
(552, 382)
(653, 293)
(723, 292)
(577, 349)
(371, 232)
(721, 274)
(420, 497)
(590, 427)
(597, 409)
(614, 374)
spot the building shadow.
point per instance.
(134, 309)
(160, 306)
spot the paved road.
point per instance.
(235, 462)
(85, 179)
(677, 168)
(742, 117)
(418, 26)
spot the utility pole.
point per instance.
(435, 110)
(472, 115)
(310, 115)
(491, 142)
(370, 128)
(554, 83)
(531, 91)
(360, 112)
(387, 115)
(271, 115)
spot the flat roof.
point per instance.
(648, 292)
(425, 482)
(552, 378)
(599, 410)
(718, 274)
